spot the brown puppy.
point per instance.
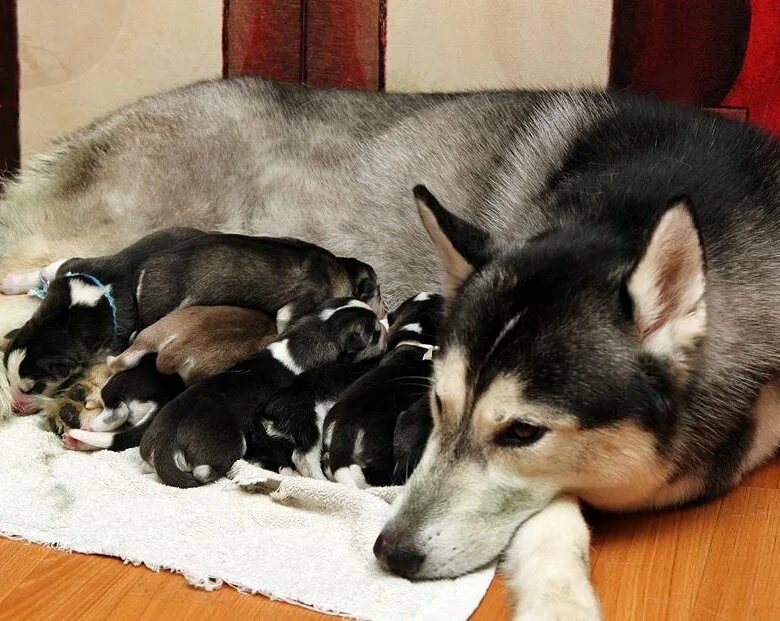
(199, 341)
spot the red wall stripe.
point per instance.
(262, 38)
(316, 42)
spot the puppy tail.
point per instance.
(173, 468)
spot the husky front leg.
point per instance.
(548, 568)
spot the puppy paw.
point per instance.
(95, 439)
(110, 418)
(72, 444)
(307, 463)
(351, 476)
(18, 284)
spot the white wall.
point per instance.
(80, 59)
(468, 44)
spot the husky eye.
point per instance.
(520, 434)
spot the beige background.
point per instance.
(83, 58)
(80, 59)
(470, 44)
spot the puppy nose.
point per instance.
(398, 559)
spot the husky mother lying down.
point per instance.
(611, 267)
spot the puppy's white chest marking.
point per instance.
(14, 362)
(280, 350)
(411, 327)
(84, 294)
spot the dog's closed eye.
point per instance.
(520, 434)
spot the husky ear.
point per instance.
(667, 285)
(461, 246)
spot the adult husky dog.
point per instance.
(611, 267)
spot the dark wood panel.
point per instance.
(316, 42)
(9, 90)
(344, 43)
(689, 52)
(263, 38)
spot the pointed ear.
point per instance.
(667, 285)
(462, 247)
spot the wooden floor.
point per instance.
(718, 561)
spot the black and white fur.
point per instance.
(163, 272)
(130, 401)
(290, 433)
(562, 193)
(359, 428)
(411, 433)
(199, 435)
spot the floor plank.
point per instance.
(716, 561)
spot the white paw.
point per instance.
(17, 284)
(110, 419)
(308, 463)
(564, 602)
(351, 476)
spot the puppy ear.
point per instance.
(462, 247)
(667, 285)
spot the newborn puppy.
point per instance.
(130, 401)
(411, 435)
(200, 341)
(291, 433)
(87, 314)
(359, 428)
(94, 305)
(199, 435)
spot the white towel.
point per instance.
(308, 543)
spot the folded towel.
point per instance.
(296, 539)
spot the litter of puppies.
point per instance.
(208, 348)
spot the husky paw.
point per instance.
(580, 604)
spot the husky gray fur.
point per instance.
(611, 266)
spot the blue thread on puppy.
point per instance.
(42, 289)
(104, 289)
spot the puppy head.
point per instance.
(69, 327)
(342, 329)
(365, 284)
(416, 319)
(562, 367)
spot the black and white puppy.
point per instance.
(411, 435)
(290, 426)
(130, 401)
(80, 320)
(199, 435)
(94, 305)
(359, 428)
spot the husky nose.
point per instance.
(398, 559)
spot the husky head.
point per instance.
(70, 326)
(563, 360)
